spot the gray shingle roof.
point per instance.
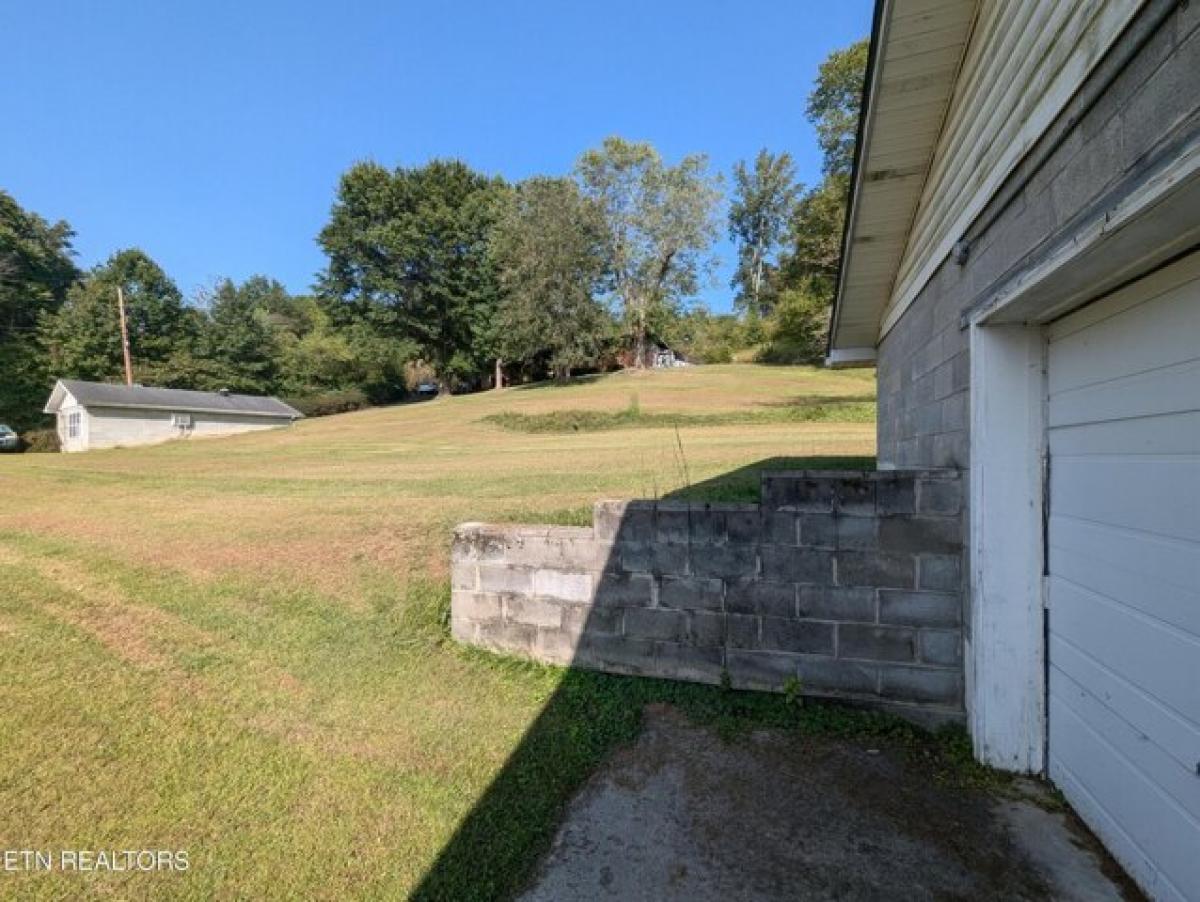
(103, 394)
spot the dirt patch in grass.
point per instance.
(133, 633)
(125, 634)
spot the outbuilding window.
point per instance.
(74, 419)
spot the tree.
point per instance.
(83, 338)
(833, 106)
(330, 358)
(36, 271)
(661, 224)
(36, 266)
(816, 239)
(796, 332)
(808, 271)
(707, 337)
(408, 254)
(551, 248)
(238, 339)
(763, 203)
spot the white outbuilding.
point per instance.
(99, 415)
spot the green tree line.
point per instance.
(440, 273)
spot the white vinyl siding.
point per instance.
(1124, 573)
(1024, 62)
(112, 427)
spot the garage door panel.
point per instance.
(1152, 435)
(1170, 279)
(1166, 324)
(1114, 837)
(1158, 495)
(1123, 592)
(1156, 830)
(1153, 656)
(1174, 735)
(1159, 577)
(1161, 770)
(1165, 390)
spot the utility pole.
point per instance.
(124, 336)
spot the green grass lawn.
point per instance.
(237, 647)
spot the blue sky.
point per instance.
(212, 134)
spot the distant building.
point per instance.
(98, 415)
(657, 354)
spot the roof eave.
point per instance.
(911, 74)
(847, 358)
(878, 20)
(183, 408)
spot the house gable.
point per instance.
(60, 398)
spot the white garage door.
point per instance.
(1124, 563)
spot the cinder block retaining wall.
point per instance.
(850, 582)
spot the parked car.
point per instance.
(9, 440)
(427, 389)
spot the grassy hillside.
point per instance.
(235, 646)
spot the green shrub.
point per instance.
(40, 441)
(796, 333)
(714, 353)
(708, 338)
(326, 403)
(782, 352)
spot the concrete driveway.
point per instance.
(683, 814)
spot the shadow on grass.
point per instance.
(742, 484)
(496, 848)
(543, 384)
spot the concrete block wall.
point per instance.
(851, 583)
